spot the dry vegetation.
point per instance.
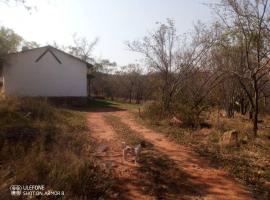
(43, 144)
(219, 66)
(223, 66)
(247, 162)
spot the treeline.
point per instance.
(225, 64)
(128, 84)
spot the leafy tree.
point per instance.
(9, 42)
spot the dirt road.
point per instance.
(192, 178)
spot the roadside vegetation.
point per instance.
(246, 160)
(47, 145)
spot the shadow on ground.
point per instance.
(161, 178)
(98, 106)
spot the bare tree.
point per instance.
(106, 66)
(160, 49)
(247, 29)
(173, 62)
(130, 78)
(82, 48)
(104, 82)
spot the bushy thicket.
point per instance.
(188, 117)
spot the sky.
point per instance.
(114, 22)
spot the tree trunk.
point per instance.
(166, 100)
(130, 96)
(242, 106)
(230, 110)
(245, 108)
(250, 115)
(167, 103)
(138, 98)
(256, 112)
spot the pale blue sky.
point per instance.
(113, 21)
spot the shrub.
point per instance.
(187, 115)
(152, 109)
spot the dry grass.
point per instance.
(43, 144)
(249, 162)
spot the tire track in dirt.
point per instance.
(109, 152)
(219, 185)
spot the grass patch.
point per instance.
(125, 105)
(122, 104)
(101, 104)
(43, 144)
(97, 104)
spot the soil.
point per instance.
(196, 173)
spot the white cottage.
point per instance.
(45, 72)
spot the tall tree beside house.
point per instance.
(83, 48)
(30, 44)
(9, 42)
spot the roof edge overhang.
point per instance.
(48, 47)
